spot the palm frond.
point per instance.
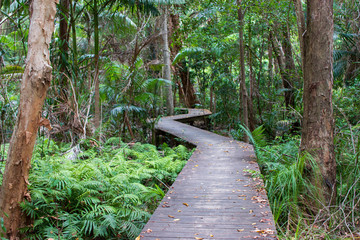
(188, 52)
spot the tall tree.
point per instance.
(300, 21)
(167, 64)
(318, 122)
(186, 88)
(35, 83)
(243, 90)
(97, 116)
(64, 46)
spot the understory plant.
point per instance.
(107, 192)
(285, 175)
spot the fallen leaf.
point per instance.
(264, 232)
(199, 238)
(171, 216)
(240, 230)
(175, 220)
(211, 235)
(185, 204)
(264, 220)
(179, 210)
(148, 231)
(138, 238)
(196, 165)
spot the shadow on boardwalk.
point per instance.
(217, 194)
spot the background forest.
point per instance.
(118, 63)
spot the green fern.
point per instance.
(103, 196)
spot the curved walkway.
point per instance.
(217, 195)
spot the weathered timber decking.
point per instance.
(216, 195)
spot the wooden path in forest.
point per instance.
(216, 195)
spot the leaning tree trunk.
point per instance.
(167, 69)
(318, 134)
(35, 83)
(243, 90)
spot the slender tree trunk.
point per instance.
(211, 98)
(74, 41)
(251, 112)
(318, 123)
(271, 73)
(35, 83)
(243, 90)
(167, 63)
(300, 20)
(290, 75)
(64, 47)
(186, 87)
(281, 59)
(96, 61)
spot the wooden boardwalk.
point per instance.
(217, 195)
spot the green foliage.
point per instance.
(188, 52)
(110, 194)
(11, 69)
(286, 181)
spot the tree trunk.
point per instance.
(251, 112)
(290, 75)
(35, 83)
(243, 90)
(318, 122)
(74, 42)
(64, 47)
(300, 20)
(167, 63)
(211, 98)
(281, 59)
(96, 63)
(186, 89)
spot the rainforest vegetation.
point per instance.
(96, 75)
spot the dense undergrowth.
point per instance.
(107, 192)
(289, 191)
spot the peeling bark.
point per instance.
(35, 83)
